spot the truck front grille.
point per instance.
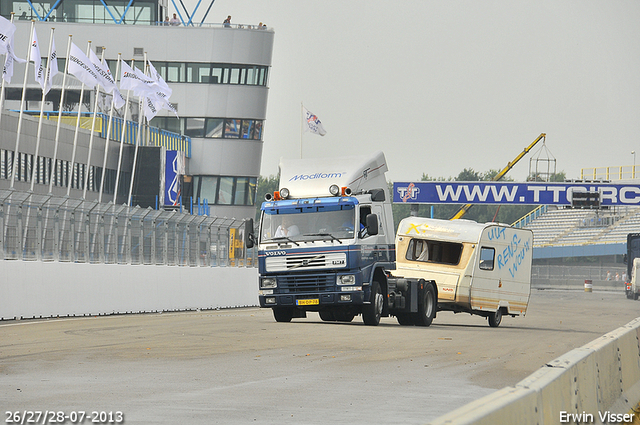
(307, 283)
(328, 260)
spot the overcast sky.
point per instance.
(444, 85)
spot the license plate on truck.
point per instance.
(308, 302)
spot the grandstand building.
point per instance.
(581, 244)
(219, 76)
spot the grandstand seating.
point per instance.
(584, 226)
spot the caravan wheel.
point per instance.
(495, 318)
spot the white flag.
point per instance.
(53, 67)
(155, 75)
(150, 108)
(36, 58)
(135, 81)
(7, 71)
(106, 79)
(312, 123)
(7, 29)
(80, 66)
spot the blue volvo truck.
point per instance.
(326, 243)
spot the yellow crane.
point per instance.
(463, 210)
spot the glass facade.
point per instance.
(212, 128)
(207, 73)
(225, 190)
(141, 12)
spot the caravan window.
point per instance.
(429, 251)
(487, 256)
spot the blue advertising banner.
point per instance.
(511, 193)
(173, 170)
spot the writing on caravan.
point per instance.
(511, 193)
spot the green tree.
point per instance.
(265, 185)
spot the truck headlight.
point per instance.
(268, 282)
(347, 279)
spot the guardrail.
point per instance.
(622, 172)
(49, 228)
(596, 383)
(151, 136)
(530, 216)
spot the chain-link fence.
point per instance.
(566, 273)
(51, 228)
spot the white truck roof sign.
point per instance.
(307, 178)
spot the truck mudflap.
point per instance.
(413, 302)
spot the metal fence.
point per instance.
(564, 273)
(51, 228)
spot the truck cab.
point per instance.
(326, 240)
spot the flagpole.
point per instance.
(3, 81)
(106, 146)
(135, 152)
(75, 137)
(14, 168)
(93, 127)
(57, 139)
(301, 127)
(124, 129)
(35, 167)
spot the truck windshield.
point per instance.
(306, 224)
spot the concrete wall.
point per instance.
(31, 289)
(592, 382)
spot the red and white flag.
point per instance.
(312, 123)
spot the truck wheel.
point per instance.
(495, 318)
(371, 312)
(635, 296)
(283, 314)
(404, 319)
(327, 316)
(426, 307)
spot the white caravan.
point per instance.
(482, 269)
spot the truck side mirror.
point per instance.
(249, 237)
(372, 224)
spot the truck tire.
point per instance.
(495, 318)
(283, 314)
(426, 307)
(371, 312)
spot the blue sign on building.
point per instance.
(511, 193)
(173, 169)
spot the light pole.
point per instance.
(633, 170)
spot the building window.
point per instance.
(203, 73)
(225, 190)
(214, 128)
(232, 128)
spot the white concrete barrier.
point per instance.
(597, 383)
(32, 289)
